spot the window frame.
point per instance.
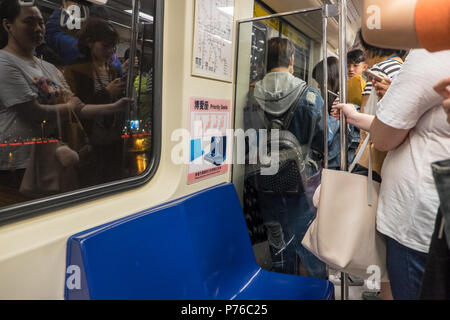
(40, 206)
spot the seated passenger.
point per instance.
(95, 81)
(287, 216)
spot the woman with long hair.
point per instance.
(94, 80)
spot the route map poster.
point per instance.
(209, 120)
(213, 36)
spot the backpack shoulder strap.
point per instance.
(283, 122)
(290, 113)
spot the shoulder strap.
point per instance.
(290, 114)
(283, 122)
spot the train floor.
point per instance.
(356, 289)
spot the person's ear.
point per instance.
(6, 24)
(365, 66)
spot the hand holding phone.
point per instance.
(370, 75)
(115, 87)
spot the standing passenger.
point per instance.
(65, 42)
(286, 216)
(425, 23)
(387, 63)
(334, 143)
(95, 81)
(356, 65)
(411, 125)
(31, 90)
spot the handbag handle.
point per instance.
(360, 154)
(72, 112)
(370, 175)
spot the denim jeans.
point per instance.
(441, 173)
(287, 218)
(405, 268)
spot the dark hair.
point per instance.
(373, 51)
(99, 11)
(333, 78)
(355, 56)
(126, 55)
(95, 10)
(96, 29)
(9, 9)
(279, 53)
(49, 55)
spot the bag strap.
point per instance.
(370, 178)
(287, 121)
(72, 112)
(370, 174)
(359, 154)
(283, 121)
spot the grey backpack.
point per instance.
(293, 158)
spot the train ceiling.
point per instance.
(117, 9)
(311, 26)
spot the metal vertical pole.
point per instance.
(325, 14)
(134, 37)
(343, 99)
(325, 87)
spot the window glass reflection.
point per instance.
(66, 122)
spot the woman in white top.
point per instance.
(411, 124)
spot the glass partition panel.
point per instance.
(279, 149)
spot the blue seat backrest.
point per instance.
(186, 249)
(220, 241)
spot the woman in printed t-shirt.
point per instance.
(32, 90)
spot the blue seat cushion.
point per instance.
(196, 247)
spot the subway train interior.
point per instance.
(146, 170)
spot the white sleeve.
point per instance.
(14, 88)
(411, 93)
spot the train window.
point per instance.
(77, 97)
(279, 176)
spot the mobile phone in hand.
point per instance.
(372, 75)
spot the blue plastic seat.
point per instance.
(194, 248)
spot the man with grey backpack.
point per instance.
(282, 102)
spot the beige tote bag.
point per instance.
(344, 234)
